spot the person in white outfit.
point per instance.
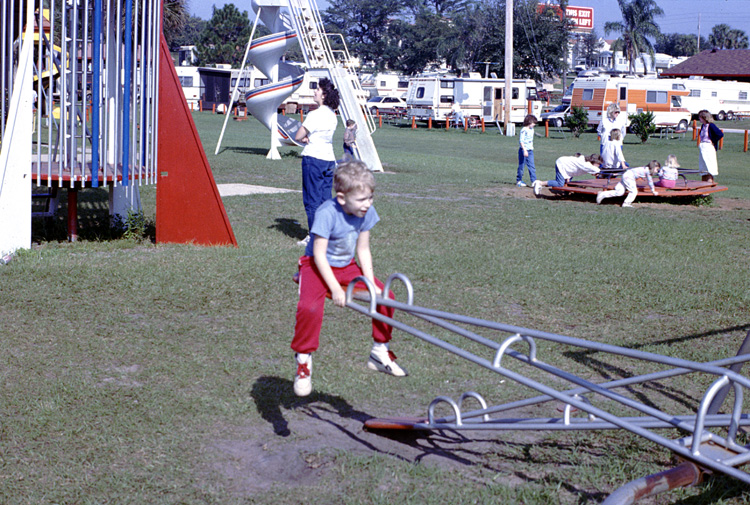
(629, 184)
(710, 135)
(612, 156)
(567, 167)
(614, 120)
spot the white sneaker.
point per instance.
(385, 361)
(303, 377)
(626, 205)
(599, 197)
(304, 241)
(537, 188)
(521, 184)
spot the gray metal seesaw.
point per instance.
(703, 450)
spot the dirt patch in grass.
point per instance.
(301, 438)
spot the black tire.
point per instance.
(682, 125)
(559, 122)
(721, 116)
(730, 116)
(374, 111)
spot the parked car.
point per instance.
(387, 105)
(557, 115)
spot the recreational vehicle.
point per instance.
(385, 84)
(435, 97)
(634, 95)
(204, 85)
(723, 99)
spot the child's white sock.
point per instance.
(380, 347)
(302, 358)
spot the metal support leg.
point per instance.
(718, 400)
(684, 475)
(72, 214)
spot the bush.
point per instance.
(642, 125)
(577, 121)
(136, 226)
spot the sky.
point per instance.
(680, 16)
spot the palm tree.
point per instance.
(738, 39)
(637, 24)
(719, 37)
(175, 18)
(724, 37)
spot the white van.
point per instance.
(723, 99)
(662, 97)
(435, 97)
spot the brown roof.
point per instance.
(715, 63)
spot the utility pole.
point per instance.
(508, 124)
(699, 32)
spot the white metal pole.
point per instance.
(236, 84)
(508, 63)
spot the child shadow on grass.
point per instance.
(289, 227)
(272, 393)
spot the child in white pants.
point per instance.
(628, 183)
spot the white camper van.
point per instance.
(634, 95)
(435, 97)
(206, 86)
(191, 84)
(723, 99)
(385, 84)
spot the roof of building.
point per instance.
(715, 63)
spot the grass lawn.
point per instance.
(135, 372)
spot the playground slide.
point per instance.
(263, 102)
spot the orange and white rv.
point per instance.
(663, 97)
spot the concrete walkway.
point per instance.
(249, 189)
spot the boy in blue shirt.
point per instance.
(340, 229)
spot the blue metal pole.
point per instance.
(126, 91)
(96, 93)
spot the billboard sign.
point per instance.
(581, 17)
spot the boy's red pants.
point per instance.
(312, 297)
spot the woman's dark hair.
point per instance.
(330, 93)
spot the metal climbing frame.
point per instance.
(95, 70)
(704, 447)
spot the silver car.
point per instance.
(557, 115)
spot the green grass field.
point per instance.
(135, 372)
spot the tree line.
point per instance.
(413, 36)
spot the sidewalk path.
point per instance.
(249, 189)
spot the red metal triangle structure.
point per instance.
(188, 205)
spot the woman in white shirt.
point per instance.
(614, 120)
(318, 159)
